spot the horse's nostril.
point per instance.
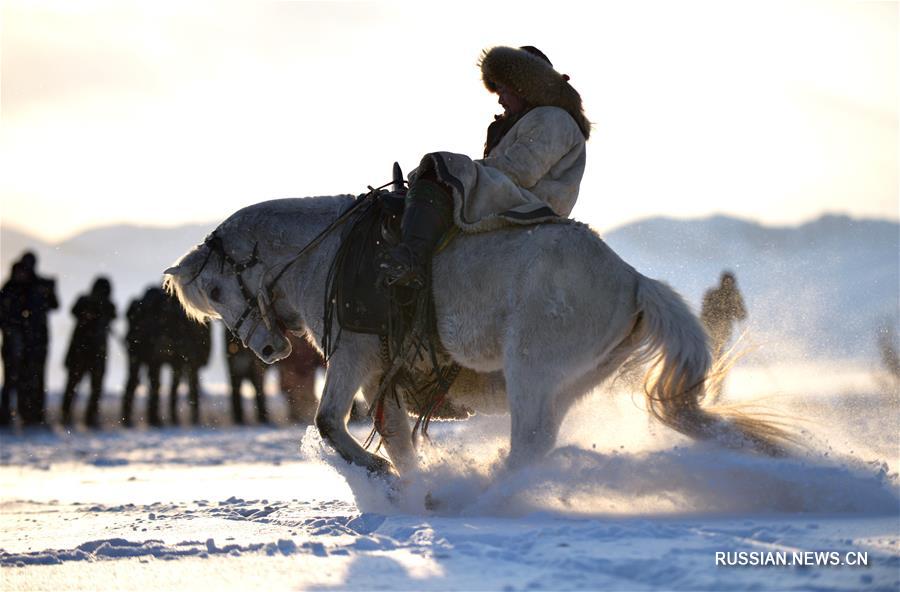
(268, 350)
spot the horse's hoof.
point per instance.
(394, 489)
(381, 467)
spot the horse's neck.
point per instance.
(284, 233)
(283, 226)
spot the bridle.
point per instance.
(260, 300)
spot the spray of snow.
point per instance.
(612, 460)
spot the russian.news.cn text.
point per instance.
(792, 558)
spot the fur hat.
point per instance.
(527, 72)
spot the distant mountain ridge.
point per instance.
(126, 252)
(823, 286)
(693, 236)
(819, 288)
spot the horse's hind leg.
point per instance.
(532, 392)
(541, 391)
(355, 362)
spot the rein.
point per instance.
(321, 236)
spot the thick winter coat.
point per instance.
(532, 175)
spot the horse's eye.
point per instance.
(214, 294)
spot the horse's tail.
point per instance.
(669, 336)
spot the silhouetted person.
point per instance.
(721, 307)
(87, 351)
(244, 365)
(12, 325)
(186, 349)
(27, 298)
(145, 327)
(298, 379)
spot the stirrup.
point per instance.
(398, 267)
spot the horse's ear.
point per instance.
(175, 270)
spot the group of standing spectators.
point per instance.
(159, 335)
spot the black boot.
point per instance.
(427, 217)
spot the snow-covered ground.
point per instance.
(622, 504)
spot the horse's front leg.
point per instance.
(354, 363)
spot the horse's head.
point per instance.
(227, 281)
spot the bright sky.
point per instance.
(162, 113)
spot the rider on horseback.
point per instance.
(534, 159)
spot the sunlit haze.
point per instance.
(162, 113)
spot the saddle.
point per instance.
(398, 315)
(362, 306)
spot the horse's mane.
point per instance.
(237, 230)
(188, 292)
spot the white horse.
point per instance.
(549, 310)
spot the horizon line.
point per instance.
(14, 227)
